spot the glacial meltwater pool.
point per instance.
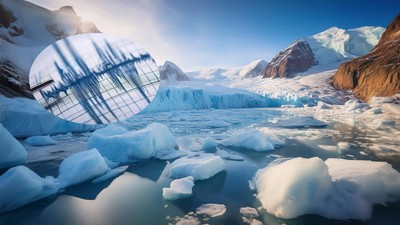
(136, 198)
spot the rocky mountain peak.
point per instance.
(392, 31)
(298, 57)
(376, 73)
(171, 72)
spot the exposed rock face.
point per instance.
(298, 57)
(171, 72)
(25, 30)
(13, 82)
(376, 73)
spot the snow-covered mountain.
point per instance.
(330, 47)
(250, 70)
(336, 44)
(25, 30)
(171, 72)
(298, 57)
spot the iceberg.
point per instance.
(335, 188)
(40, 140)
(24, 117)
(254, 140)
(82, 166)
(20, 186)
(12, 153)
(120, 145)
(180, 188)
(200, 167)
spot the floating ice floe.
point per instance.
(229, 156)
(12, 153)
(40, 140)
(336, 188)
(200, 167)
(211, 210)
(301, 122)
(249, 212)
(82, 166)
(180, 188)
(20, 186)
(120, 145)
(209, 144)
(24, 117)
(253, 140)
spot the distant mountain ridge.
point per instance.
(333, 45)
(253, 69)
(25, 30)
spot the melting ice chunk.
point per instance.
(20, 186)
(40, 140)
(119, 145)
(200, 167)
(180, 188)
(82, 166)
(336, 188)
(212, 210)
(12, 153)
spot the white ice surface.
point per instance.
(336, 188)
(40, 140)
(119, 145)
(25, 117)
(211, 209)
(200, 167)
(209, 144)
(180, 188)
(20, 186)
(253, 140)
(82, 166)
(12, 153)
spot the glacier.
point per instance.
(198, 96)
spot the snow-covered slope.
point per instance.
(336, 44)
(26, 29)
(171, 72)
(250, 70)
(253, 69)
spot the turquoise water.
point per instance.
(136, 196)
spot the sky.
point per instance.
(197, 34)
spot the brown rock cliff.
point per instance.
(376, 73)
